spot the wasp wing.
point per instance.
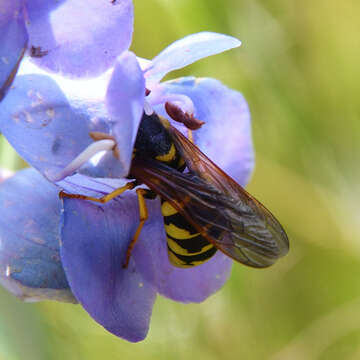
(259, 223)
(217, 207)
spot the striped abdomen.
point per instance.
(186, 247)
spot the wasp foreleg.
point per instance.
(141, 193)
(129, 186)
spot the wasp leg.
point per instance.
(104, 199)
(143, 217)
(190, 136)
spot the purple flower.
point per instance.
(30, 265)
(59, 35)
(48, 120)
(5, 174)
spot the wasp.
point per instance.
(204, 209)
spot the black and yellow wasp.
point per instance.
(204, 209)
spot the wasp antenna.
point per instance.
(178, 115)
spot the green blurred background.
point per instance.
(299, 69)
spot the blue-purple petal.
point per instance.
(13, 41)
(39, 122)
(94, 244)
(226, 135)
(186, 51)
(184, 285)
(125, 104)
(79, 38)
(5, 174)
(30, 265)
(90, 186)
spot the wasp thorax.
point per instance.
(154, 142)
(152, 138)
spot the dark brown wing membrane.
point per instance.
(219, 209)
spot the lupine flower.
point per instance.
(59, 35)
(48, 119)
(5, 174)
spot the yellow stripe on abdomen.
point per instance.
(180, 248)
(184, 261)
(186, 246)
(167, 209)
(178, 233)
